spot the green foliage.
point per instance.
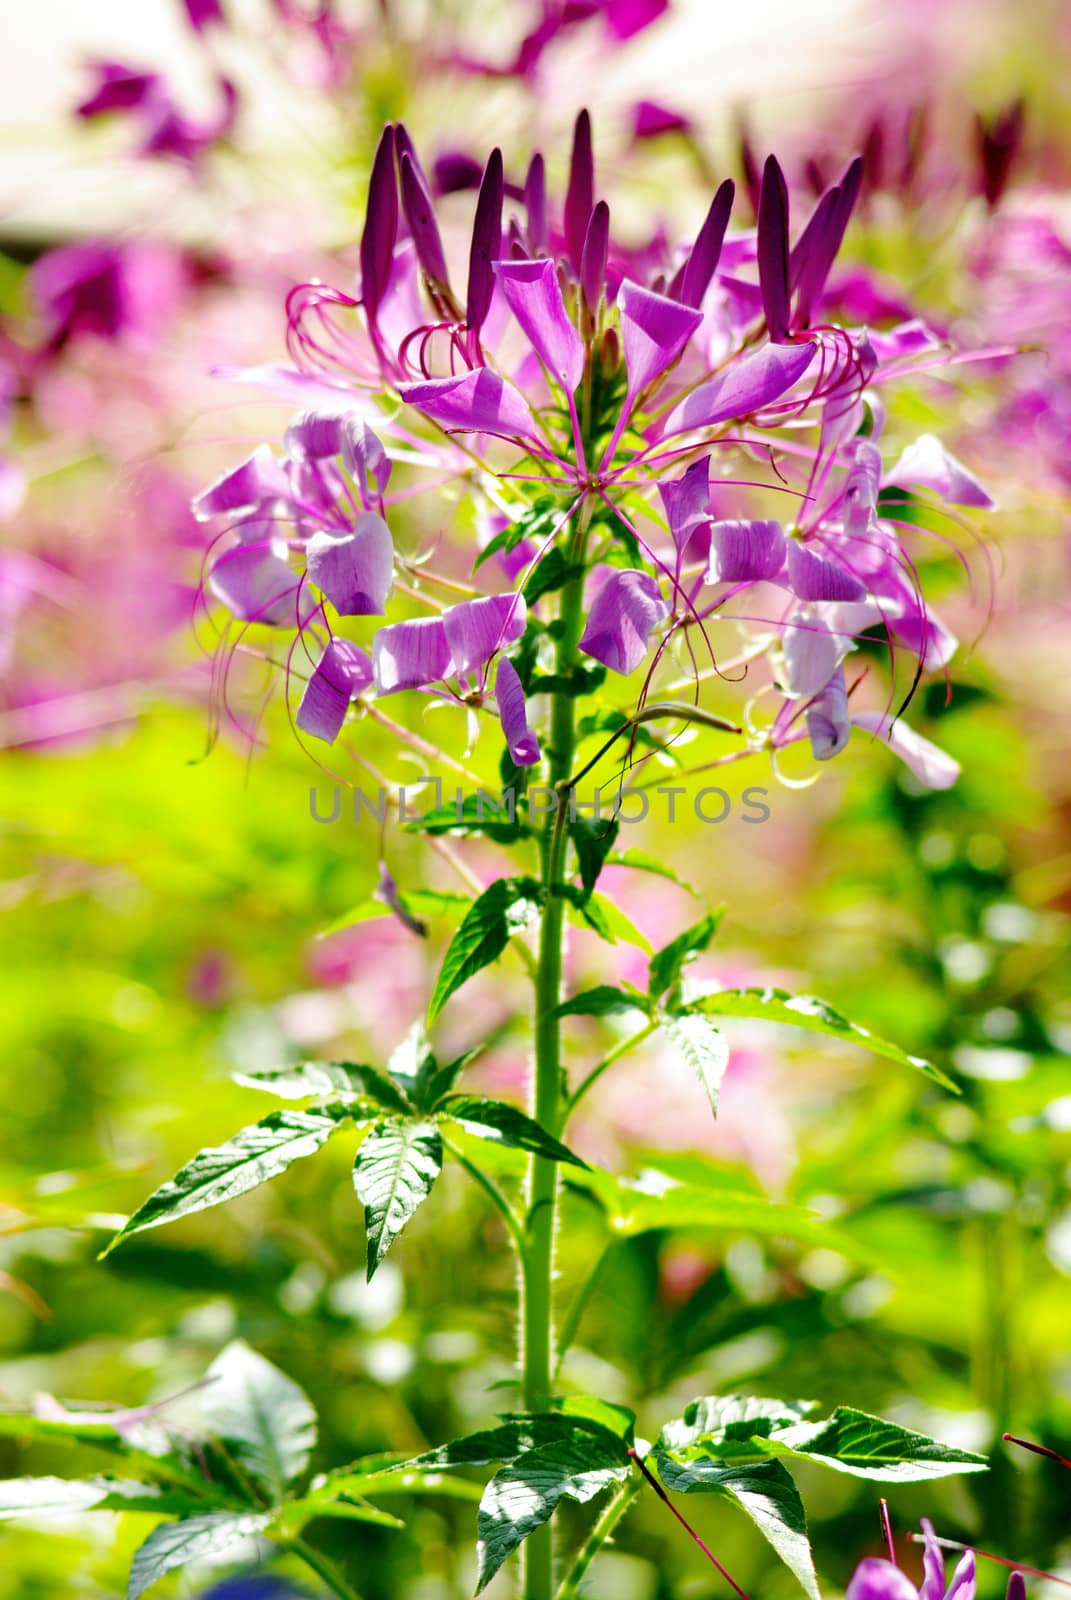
(503, 910)
(397, 1164)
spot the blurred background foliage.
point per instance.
(165, 915)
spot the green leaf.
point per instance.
(602, 1001)
(413, 1062)
(296, 1513)
(396, 1166)
(306, 1080)
(254, 1156)
(533, 522)
(805, 1011)
(618, 1420)
(173, 1544)
(396, 1479)
(553, 572)
(608, 920)
(264, 1419)
(477, 813)
(770, 1499)
(504, 909)
(139, 1442)
(523, 1495)
(35, 1497)
(417, 902)
(504, 1124)
(668, 964)
(515, 1435)
(710, 1421)
(593, 840)
(701, 1047)
(868, 1447)
(642, 862)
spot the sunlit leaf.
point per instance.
(396, 1167)
(266, 1422)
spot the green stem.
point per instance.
(616, 1507)
(324, 1569)
(537, 1313)
(620, 1049)
(579, 1306)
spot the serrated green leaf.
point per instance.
(701, 1047)
(642, 862)
(476, 814)
(592, 840)
(254, 1156)
(35, 1497)
(669, 962)
(602, 1001)
(504, 1124)
(869, 1447)
(306, 1080)
(770, 1499)
(514, 1436)
(173, 1544)
(709, 1421)
(615, 1419)
(397, 1165)
(608, 920)
(412, 1062)
(523, 1495)
(504, 909)
(806, 1011)
(266, 1422)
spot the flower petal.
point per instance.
(354, 569)
(828, 726)
(686, 500)
(256, 585)
(534, 295)
(655, 331)
(364, 457)
(748, 385)
(340, 674)
(930, 765)
(880, 1580)
(926, 464)
(523, 745)
(479, 402)
(475, 629)
(812, 654)
(745, 551)
(243, 488)
(627, 607)
(814, 578)
(314, 436)
(408, 655)
(861, 487)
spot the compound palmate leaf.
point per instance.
(252, 1157)
(264, 1419)
(524, 1494)
(173, 1544)
(503, 910)
(770, 1499)
(396, 1166)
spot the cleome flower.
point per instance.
(633, 414)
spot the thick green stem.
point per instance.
(549, 1100)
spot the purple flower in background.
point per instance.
(163, 129)
(108, 290)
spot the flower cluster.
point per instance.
(613, 410)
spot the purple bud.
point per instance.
(386, 890)
(999, 142)
(486, 243)
(420, 215)
(1016, 1587)
(594, 254)
(535, 203)
(773, 249)
(404, 146)
(341, 673)
(523, 745)
(380, 225)
(580, 195)
(354, 569)
(453, 171)
(706, 251)
(814, 255)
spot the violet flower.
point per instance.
(615, 379)
(875, 1579)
